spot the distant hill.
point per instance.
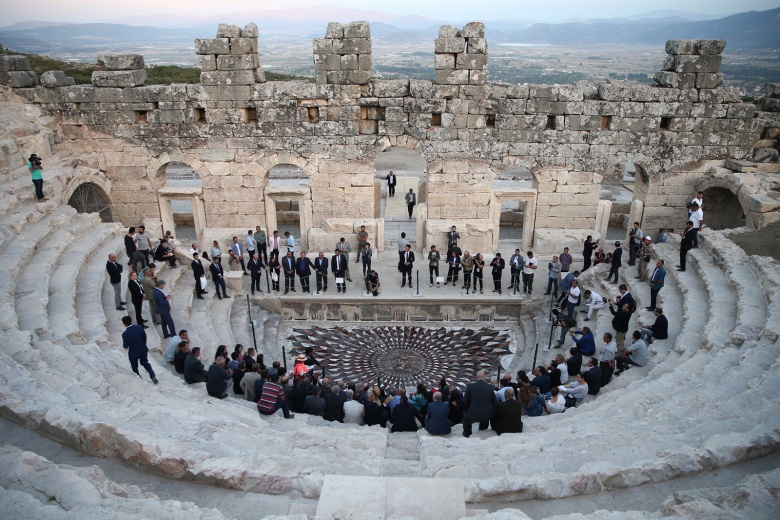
(757, 29)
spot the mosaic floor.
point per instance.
(403, 356)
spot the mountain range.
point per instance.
(745, 30)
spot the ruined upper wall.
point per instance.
(587, 126)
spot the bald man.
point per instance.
(480, 404)
(115, 276)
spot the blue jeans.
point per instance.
(279, 404)
(570, 308)
(552, 283)
(168, 328)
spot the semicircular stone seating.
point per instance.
(708, 399)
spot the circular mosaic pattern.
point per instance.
(403, 356)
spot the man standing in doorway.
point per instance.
(411, 201)
(391, 182)
(115, 277)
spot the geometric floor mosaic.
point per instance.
(403, 356)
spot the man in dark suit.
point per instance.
(480, 404)
(194, 371)
(304, 266)
(391, 182)
(593, 376)
(218, 275)
(498, 266)
(134, 342)
(508, 414)
(163, 306)
(616, 262)
(686, 244)
(625, 298)
(404, 416)
(407, 265)
(288, 266)
(197, 271)
(338, 264)
(321, 268)
(255, 265)
(137, 297)
(437, 421)
(115, 277)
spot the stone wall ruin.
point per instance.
(233, 127)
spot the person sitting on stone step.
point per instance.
(314, 404)
(194, 371)
(272, 398)
(658, 330)
(218, 377)
(404, 417)
(635, 354)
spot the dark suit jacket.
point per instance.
(616, 256)
(661, 327)
(217, 381)
(392, 180)
(437, 421)
(404, 416)
(161, 303)
(321, 265)
(334, 408)
(498, 265)
(686, 242)
(114, 271)
(217, 271)
(197, 269)
(339, 273)
(411, 259)
(374, 414)
(508, 417)
(621, 319)
(136, 291)
(304, 266)
(479, 401)
(194, 372)
(627, 298)
(134, 340)
(253, 266)
(593, 378)
(288, 264)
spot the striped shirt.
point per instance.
(271, 393)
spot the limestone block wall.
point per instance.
(344, 55)
(461, 55)
(233, 130)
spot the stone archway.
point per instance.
(723, 209)
(88, 197)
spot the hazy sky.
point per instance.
(552, 10)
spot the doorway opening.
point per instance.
(722, 209)
(288, 217)
(410, 169)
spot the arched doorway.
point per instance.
(722, 209)
(411, 171)
(288, 203)
(89, 198)
(514, 209)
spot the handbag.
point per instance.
(203, 282)
(646, 258)
(274, 277)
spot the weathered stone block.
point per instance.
(444, 61)
(118, 78)
(449, 45)
(236, 62)
(14, 63)
(674, 80)
(250, 31)
(364, 62)
(686, 63)
(478, 46)
(420, 88)
(452, 77)
(390, 88)
(676, 47)
(477, 77)
(741, 111)
(212, 46)
(56, 78)
(473, 30)
(352, 46)
(225, 30)
(18, 78)
(770, 105)
(449, 31)
(120, 62)
(323, 45)
(357, 30)
(708, 80)
(710, 47)
(233, 77)
(207, 62)
(243, 46)
(470, 61)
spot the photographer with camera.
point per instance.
(35, 167)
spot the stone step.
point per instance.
(32, 288)
(768, 272)
(239, 323)
(722, 302)
(62, 284)
(18, 253)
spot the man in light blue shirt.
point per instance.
(290, 241)
(170, 348)
(656, 283)
(238, 250)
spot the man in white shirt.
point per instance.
(573, 298)
(529, 267)
(697, 218)
(274, 242)
(606, 358)
(699, 199)
(594, 301)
